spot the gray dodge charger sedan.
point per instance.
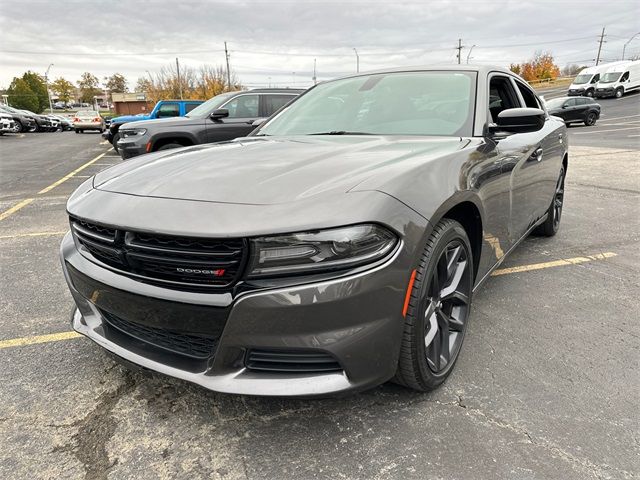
(335, 248)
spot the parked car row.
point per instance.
(607, 80)
(13, 120)
(224, 117)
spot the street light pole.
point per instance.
(469, 54)
(357, 61)
(46, 84)
(624, 48)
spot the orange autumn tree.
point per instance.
(540, 67)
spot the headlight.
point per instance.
(133, 132)
(320, 250)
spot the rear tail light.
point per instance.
(76, 119)
(97, 119)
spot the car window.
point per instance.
(169, 110)
(501, 96)
(530, 99)
(190, 106)
(625, 77)
(571, 102)
(243, 106)
(273, 103)
(595, 78)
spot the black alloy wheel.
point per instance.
(18, 127)
(552, 224)
(438, 311)
(591, 119)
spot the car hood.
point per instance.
(128, 118)
(263, 171)
(166, 122)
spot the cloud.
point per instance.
(270, 40)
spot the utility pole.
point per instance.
(226, 55)
(459, 48)
(179, 81)
(469, 54)
(46, 83)
(600, 46)
(314, 71)
(624, 48)
(357, 61)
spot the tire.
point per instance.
(77, 131)
(19, 128)
(554, 214)
(114, 142)
(619, 92)
(169, 146)
(590, 120)
(589, 93)
(422, 365)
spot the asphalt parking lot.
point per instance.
(544, 388)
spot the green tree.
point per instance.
(37, 86)
(20, 95)
(88, 86)
(63, 88)
(116, 83)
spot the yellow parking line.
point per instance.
(69, 175)
(53, 337)
(34, 234)
(555, 263)
(15, 208)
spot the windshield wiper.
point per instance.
(341, 132)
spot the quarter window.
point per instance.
(243, 106)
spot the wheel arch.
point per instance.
(183, 140)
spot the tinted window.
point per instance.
(403, 103)
(169, 110)
(190, 106)
(273, 103)
(529, 98)
(243, 106)
(625, 77)
(203, 110)
(501, 96)
(596, 77)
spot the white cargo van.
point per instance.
(585, 82)
(619, 79)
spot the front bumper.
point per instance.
(355, 319)
(604, 92)
(576, 92)
(88, 126)
(129, 148)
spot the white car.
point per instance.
(88, 120)
(7, 125)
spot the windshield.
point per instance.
(610, 77)
(555, 103)
(404, 103)
(580, 79)
(203, 110)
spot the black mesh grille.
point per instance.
(193, 346)
(178, 262)
(291, 361)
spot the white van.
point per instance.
(585, 82)
(619, 79)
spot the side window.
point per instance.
(190, 106)
(528, 96)
(169, 110)
(243, 106)
(595, 78)
(625, 77)
(571, 102)
(501, 95)
(273, 103)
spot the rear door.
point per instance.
(243, 110)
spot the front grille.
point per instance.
(189, 345)
(178, 262)
(291, 361)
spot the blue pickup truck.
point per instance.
(163, 109)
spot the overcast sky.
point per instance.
(270, 40)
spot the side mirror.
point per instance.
(258, 122)
(564, 105)
(519, 120)
(219, 113)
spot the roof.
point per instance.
(274, 90)
(482, 69)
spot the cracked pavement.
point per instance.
(546, 387)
